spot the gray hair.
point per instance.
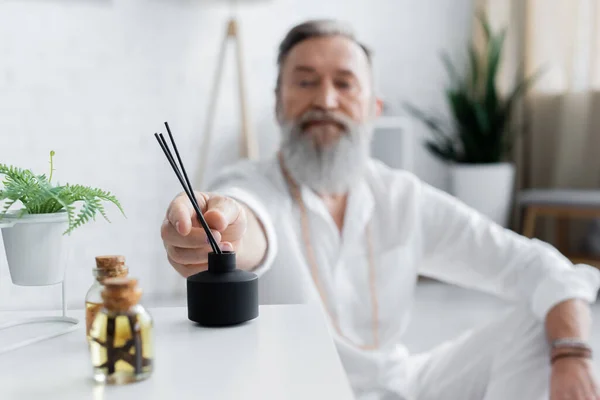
(330, 169)
(315, 29)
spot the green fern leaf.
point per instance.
(8, 204)
(39, 196)
(71, 216)
(86, 213)
(102, 211)
(81, 192)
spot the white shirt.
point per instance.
(417, 229)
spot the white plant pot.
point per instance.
(488, 188)
(35, 248)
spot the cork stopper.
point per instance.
(120, 294)
(110, 266)
(110, 262)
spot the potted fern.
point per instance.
(477, 141)
(33, 234)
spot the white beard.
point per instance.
(329, 170)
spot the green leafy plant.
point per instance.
(479, 130)
(39, 196)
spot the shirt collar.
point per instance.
(359, 208)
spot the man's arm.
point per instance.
(573, 375)
(569, 319)
(253, 245)
(461, 246)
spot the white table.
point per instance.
(286, 353)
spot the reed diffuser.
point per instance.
(223, 294)
(121, 337)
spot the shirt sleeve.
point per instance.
(462, 246)
(242, 183)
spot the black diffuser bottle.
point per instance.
(222, 295)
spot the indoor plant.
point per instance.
(478, 138)
(34, 243)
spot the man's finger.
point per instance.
(226, 246)
(181, 213)
(185, 256)
(222, 212)
(188, 270)
(592, 390)
(578, 393)
(194, 239)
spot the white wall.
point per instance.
(93, 80)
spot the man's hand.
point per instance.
(184, 238)
(573, 379)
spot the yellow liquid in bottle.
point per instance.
(91, 309)
(121, 346)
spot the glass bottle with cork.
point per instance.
(109, 266)
(121, 337)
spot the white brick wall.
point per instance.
(93, 80)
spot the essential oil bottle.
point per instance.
(121, 336)
(110, 266)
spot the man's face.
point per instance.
(325, 106)
(328, 76)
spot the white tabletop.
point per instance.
(286, 353)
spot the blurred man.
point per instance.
(323, 222)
